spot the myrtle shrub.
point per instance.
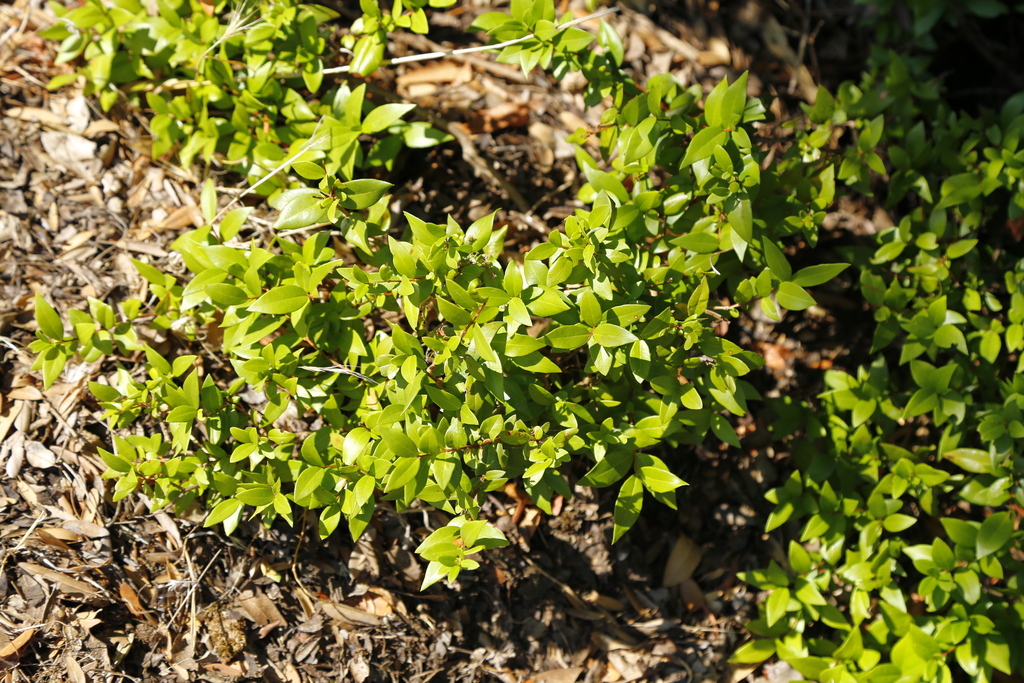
(436, 367)
(906, 564)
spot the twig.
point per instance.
(805, 33)
(313, 140)
(468, 50)
(483, 168)
(195, 584)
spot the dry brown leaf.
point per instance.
(51, 540)
(101, 127)
(9, 417)
(171, 527)
(775, 355)
(38, 455)
(84, 528)
(682, 562)
(78, 239)
(692, 595)
(737, 672)
(141, 247)
(609, 643)
(65, 583)
(604, 601)
(348, 615)
(74, 669)
(131, 598)
(182, 217)
(528, 526)
(1016, 228)
(717, 54)
(226, 669)
(11, 652)
(558, 675)
(358, 669)
(26, 393)
(261, 609)
(44, 117)
(379, 602)
(74, 152)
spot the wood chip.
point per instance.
(141, 248)
(101, 127)
(507, 115)
(558, 675)
(44, 117)
(439, 72)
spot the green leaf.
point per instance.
(367, 54)
(792, 296)
(309, 481)
(47, 319)
(741, 217)
(399, 443)
(208, 200)
(222, 511)
(920, 403)
(256, 494)
(572, 39)
(819, 274)
(522, 345)
(590, 308)
(776, 260)
(776, 606)
(452, 313)
(568, 337)
(961, 247)
(435, 572)
(610, 336)
(655, 475)
(405, 470)
(380, 118)
(995, 532)
(733, 103)
(971, 459)
(698, 301)
(299, 208)
(615, 465)
(363, 193)
(309, 170)
(280, 300)
(609, 38)
(627, 506)
(713, 109)
(440, 545)
(754, 652)
(897, 522)
(704, 144)
(990, 345)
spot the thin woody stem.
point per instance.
(479, 48)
